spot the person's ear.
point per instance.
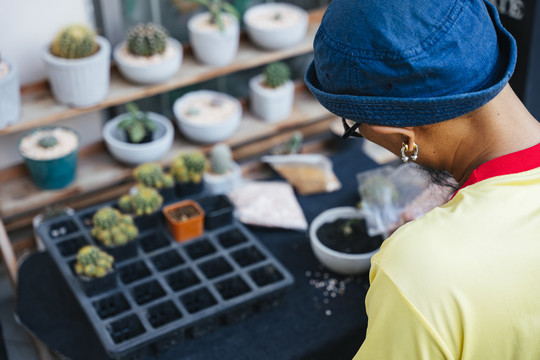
(406, 132)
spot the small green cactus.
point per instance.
(189, 167)
(92, 262)
(152, 175)
(113, 228)
(216, 9)
(276, 74)
(145, 201)
(136, 123)
(147, 40)
(48, 142)
(220, 159)
(74, 42)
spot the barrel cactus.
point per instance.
(113, 228)
(220, 159)
(147, 40)
(92, 262)
(152, 175)
(276, 74)
(145, 201)
(74, 42)
(189, 167)
(48, 142)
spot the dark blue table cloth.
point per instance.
(322, 316)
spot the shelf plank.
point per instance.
(39, 108)
(98, 170)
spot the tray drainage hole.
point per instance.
(232, 287)
(182, 279)
(147, 292)
(153, 242)
(167, 260)
(265, 275)
(231, 238)
(133, 271)
(215, 267)
(62, 228)
(125, 328)
(198, 300)
(111, 305)
(163, 313)
(198, 249)
(71, 246)
(247, 256)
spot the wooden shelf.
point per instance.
(39, 108)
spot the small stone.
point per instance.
(328, 312)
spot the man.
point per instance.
(428, 80)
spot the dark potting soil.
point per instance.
(348, 236)
(183, 213)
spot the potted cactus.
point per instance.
(136, 137)
(214, 35)
(188, 169)
(222, 173)
(143, 202)
(115, 232)
(184, 220)
(271, 94)
(78, 66)
(50, 155)
(151, 174)
(95, 270)
(148, 55)
(10, 97)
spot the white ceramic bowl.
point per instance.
(341, 263)
(212, 130)
(155, 69)
(134, 154)
(276, 35)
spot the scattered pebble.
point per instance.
(330, 288)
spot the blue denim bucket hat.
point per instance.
(409, 62)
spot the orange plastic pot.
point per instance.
(185, 220)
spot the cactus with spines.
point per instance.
(152, 175)
(74, 42)
(216, 8)
(220, 159)
(136, 123)
(113, 228)
(48, 142)
(189, 167)
(276, 74)
(147, 40)
(145, 201)
(92, 262)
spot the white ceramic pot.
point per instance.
(10, 96)
(80, 82)
(270, 33)
(223, 183)
(134, 154)
(269, 104)
(211, 46)
(151, 69)
(339, 262)
(212, 124)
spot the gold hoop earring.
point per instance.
(405, 149)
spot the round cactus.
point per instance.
(113, 228)
(48, 142)
(92, 262)
(152, 175)
(189, 167)
(179, 170)
(146, 201)
(220, 159)
(125, 204)
(147, 40)
(74, 42)
(276, 74)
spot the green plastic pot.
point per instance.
(54, 173)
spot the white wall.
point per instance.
(26, 28)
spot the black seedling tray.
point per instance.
(171, 290)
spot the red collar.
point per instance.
(513, 163)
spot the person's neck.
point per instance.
(501, 127)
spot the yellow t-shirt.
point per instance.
(462, 282)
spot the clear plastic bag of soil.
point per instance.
(308, 173)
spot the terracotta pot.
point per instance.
(184, 229)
